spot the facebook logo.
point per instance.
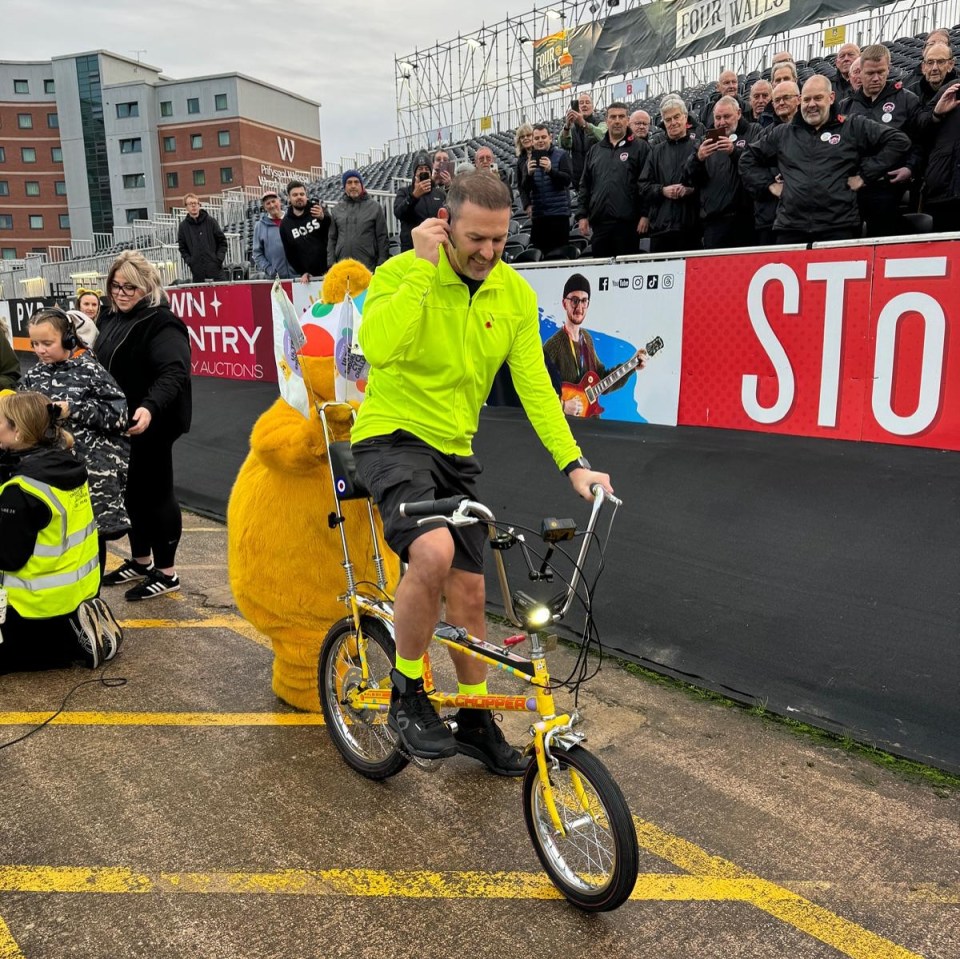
(604, 283)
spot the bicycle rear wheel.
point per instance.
(595, 863)
(361, 735)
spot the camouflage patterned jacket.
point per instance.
(97, 420)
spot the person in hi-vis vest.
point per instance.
(50, 615)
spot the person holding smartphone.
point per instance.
(417, 202)
(581, 129)
(545, 192)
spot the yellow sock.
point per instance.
(411, 668)
(477, 689)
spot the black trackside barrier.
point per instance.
(817, 578)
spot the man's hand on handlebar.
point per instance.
(583, 479)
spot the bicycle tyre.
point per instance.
(361, 737)
(595, 865)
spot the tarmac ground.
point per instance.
(188, 813)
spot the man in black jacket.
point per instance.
(304, 232)
(941, 187)
(668, 205)
(609, 201)
(823, 160)
(581, 129)
(728, 85)
(846, 56)
(713, 171)
(202, 243)
(936, 72)
(418, 202)
(887, 102)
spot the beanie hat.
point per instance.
(349, 173)
(577, 283)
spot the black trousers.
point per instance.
(728, 232)
(946, 215)
(155, 521)
(33, 644)
(547, 233)
(799, 236)
(617, 238)
(676, 241)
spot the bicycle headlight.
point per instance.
(538, 616)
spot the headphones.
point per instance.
(69, 338)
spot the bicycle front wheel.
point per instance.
(361, 735)
(595, 862)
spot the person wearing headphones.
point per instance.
(49, 611)
(94, 409)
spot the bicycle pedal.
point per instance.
(452, 725)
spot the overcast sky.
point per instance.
(338, 53)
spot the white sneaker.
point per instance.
(110, 629)
(89, 634)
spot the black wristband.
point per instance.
(579, 463)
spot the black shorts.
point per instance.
(401, 468)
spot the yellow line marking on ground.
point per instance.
(842, 934)
(80, 718)
(8, 946)
(223, 621)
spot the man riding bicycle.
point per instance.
(438, 322)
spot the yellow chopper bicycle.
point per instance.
(578, 820)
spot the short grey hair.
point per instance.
(728, 102)
(673, 101)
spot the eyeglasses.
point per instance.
(576, 301)
(936, 63)
(128, 289)
(786, 97)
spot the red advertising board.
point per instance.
(850, 343)
(231, 329)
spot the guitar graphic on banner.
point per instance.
(591, 387)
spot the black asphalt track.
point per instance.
(817, 579)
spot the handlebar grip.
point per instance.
(432, 507)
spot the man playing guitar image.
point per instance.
(571, 351)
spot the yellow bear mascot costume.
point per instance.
(284, 559)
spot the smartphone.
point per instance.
(538, 155)
(449, 167)
(575, 106)
(423, 175)
(713, 134)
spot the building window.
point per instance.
(6, 221)
(21, 86)
(4, 188)
(196, 141)
(64, 221)
(53, 121)
(226, 174)
(169, 144)
(134, 181)
(125, 110)
(193, 105)
(3, 155)
(28, 154)
(49, 86)
(56, 154)
(8, 253)
(220, 101)
(134, 145)
(139, 213)
(25, 121)
(60, 187)
(36, 222)
(173, 181)
(166, 108)
(199, 178)
(32, 187)
(223, 138)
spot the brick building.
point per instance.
(93, 140)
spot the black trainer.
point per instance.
(413, 718)
(156, 584)
(129, 571)
(479, 737)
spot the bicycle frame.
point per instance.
(550, 727)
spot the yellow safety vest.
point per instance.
(64, 569)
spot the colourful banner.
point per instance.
(552, 64)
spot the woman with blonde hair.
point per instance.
(86, 314)
(147, 350)
(523, 143)
(49, 574)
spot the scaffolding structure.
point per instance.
(483, 81)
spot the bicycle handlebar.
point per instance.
(432, 507)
